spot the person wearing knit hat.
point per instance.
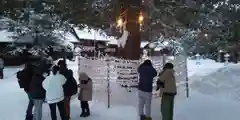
(83, 76)
(168, 90)
(85, 93)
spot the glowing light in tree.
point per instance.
(140, 18)
(205, 35)
(120, 22)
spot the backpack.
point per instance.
(70, 87)
(20, 77)
(75, 86)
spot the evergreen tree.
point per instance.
(37, 22)
(219, 19)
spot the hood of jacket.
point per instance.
(83, 76)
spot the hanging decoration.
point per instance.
(140, 21)
(123, 39)
(122, 21)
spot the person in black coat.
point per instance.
(24, 79)
(145, 87)
(37, 92)
(70, 87)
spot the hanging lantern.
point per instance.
(119, 22)
(140, 20)
(119, 25)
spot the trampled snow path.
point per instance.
(13, 103)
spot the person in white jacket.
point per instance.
(53, 85)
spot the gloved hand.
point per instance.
(160, 84)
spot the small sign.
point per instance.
(110, 50)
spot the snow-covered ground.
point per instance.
(207, 101)
(205, 67)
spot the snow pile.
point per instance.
(203, 107)
(224, 82)
(66, 36)
(205, 67)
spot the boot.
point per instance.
(142, 117)
(148, 118)
(29, 117)
(68, 118)
(83, 114)
(87, 113)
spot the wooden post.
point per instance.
(187, 80)
(108, 83)
(187, 87)
(78, 60)
(164, 59)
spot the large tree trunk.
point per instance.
(131, 49)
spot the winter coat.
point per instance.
(86, 86)
(70, 87)
(167, 77)
(36, 89)
(25, 77)
(53, 85)
(44, 66)
(1, 64)
(146, 75)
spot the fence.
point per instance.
(114, 79)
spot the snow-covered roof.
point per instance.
(143, 44)
(113, 42)
(66, 36)
(66, 43)
(85, 34)
(70, 37)
(91, 34)
(5, 36)
(160, 45)
(158, 48)
(5, 19)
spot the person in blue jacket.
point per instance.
(145, 88)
